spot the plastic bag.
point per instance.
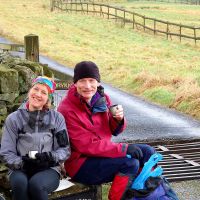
(157, 188)
(150, 184)
(139, 182)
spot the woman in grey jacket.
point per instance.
(35, 144)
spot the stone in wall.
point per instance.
(3, 109)
(35, 67)
(25, 75)
(47, 71)
(11, 62)
(9, 97)
(6, 58)
(8, 80)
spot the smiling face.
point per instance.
(87, 87)
(38, 97)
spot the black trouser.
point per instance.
(98, 170)
(36, 187)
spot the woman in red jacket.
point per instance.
(95, 159)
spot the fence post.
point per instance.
(108, 11)
(31, 43)
(195, 36)
(124, 17)
(144, 22)
(133, 21)
(87, 8)
(101, 12)
(99, 192)
(115, 15)
(81, 4)
(61, 5)
(94, 11)
(52, 5)
(180, 31)
(167, 30)
(154, 26)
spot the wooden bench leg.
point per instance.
(99, 192)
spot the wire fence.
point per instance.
(171, 31)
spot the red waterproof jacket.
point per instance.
(89, 133)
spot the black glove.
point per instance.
(134, 151)
(46, 157)
(32, 166)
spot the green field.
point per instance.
(176, 13)
(162, 71)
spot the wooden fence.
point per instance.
(190, 2)
(30, 47)
(12, 47)
(154, 26)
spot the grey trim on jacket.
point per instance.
(25, 131)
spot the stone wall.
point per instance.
(16, 75)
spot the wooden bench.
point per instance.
(75, 192)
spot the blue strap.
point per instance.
(146, 172)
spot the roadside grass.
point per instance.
(159, 95)
(105, 190)
(162, 71)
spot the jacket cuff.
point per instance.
(124, 147)
(119, 128)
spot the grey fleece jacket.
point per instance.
(26, 131)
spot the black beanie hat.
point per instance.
(86, 69)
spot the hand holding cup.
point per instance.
(32, 154)
(117, 111)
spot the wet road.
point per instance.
(146, 121)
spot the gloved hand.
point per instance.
(46, 157)
(32, 166)
(134, 151)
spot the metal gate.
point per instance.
(181, 159)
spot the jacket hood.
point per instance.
(23, 106)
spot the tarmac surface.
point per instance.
(147, 122)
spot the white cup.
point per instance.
(31, 154)
(114, 108)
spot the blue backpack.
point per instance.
(157, 188)
(150, 184)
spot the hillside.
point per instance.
(161, 71)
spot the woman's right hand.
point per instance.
(32, 166)
(134, 151)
